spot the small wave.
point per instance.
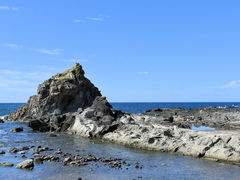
(2, 117)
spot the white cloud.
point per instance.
(10, 45)
(77, 60)
(15, 81)
(232, 84)
(79, 20)
(143, 73)
(4, 8)
(50, 52)
(98, 19)
(7, 8)
(15, 9)
(94, 18)
(19, 75)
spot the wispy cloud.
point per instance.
(143, 73)
(16, 75)
(232, 84)
(94, 18)
(7, 8)
(79, 20)
(15, 81)
(41, 50)
(97, 19)
(50, 52)
(10, 45)
(79, 60)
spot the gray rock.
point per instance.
(220, 118)
(38, 160)
(70, 102)
(25, 148)
(66, 160)
(38, 125)
(6, 165)
(17, 129)
(27, 164)
(2, 152)
(52, 135)
(64, 92)
(21, 152)
(58, 152)
(13, 150)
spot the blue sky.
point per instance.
(133, 50)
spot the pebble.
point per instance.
(52, 135)
(24, 148)
(58, 152)
(13, 150)
(68, 159)
(21, 152)
(2, 152)
(17, 129)
(38, 160)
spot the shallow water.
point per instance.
(202, 128)
(178, 167)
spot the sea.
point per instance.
(177, 167)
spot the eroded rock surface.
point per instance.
(70, 102)
(63, 93)
(219, 144)
(220, 118)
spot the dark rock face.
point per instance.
(38, 125)
(17, 129)
(64, 99)
(64, 92)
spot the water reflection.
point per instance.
(202, 128)
(178, 167)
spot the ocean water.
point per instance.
(142, 107)
(132, 107)
(178, 167)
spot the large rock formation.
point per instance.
(70, 102)
(61, 99)
(64, 92)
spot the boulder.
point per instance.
(38, 125)
(27, 164)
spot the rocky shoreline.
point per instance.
(69, 102)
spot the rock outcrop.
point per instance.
(146, 132)
(63, 93)
(219, 118)
(59, 100)
(70, 102)
(96, 120)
